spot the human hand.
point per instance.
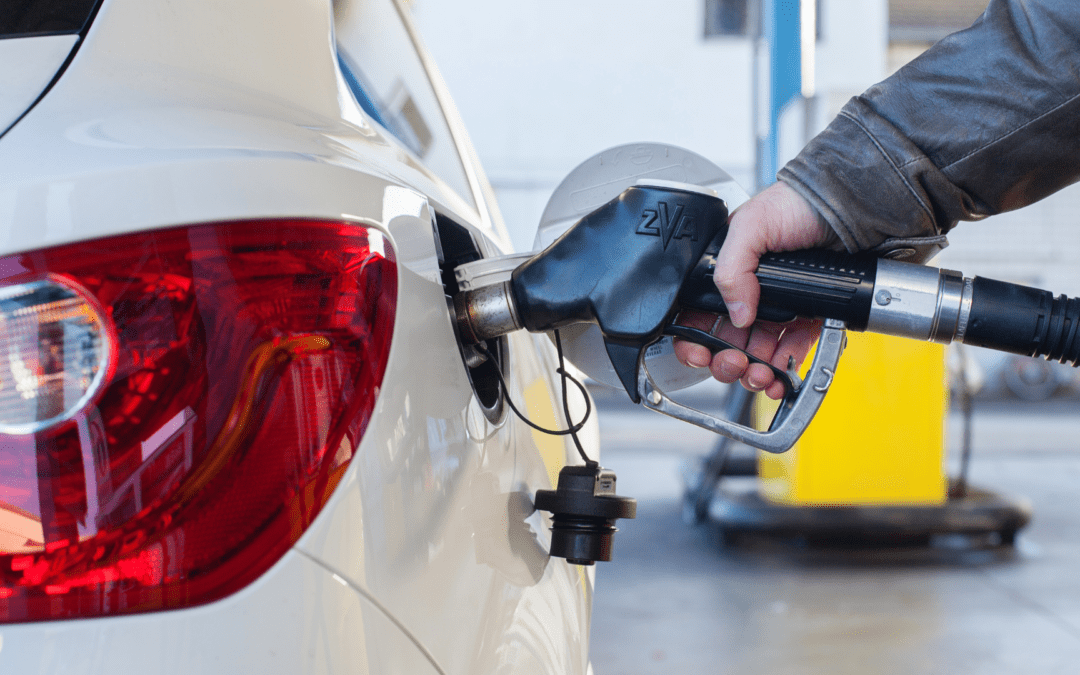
(778, 219)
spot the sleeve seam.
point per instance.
(926, 209)
(986, 145)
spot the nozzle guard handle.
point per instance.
(797, 409)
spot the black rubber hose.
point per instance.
(1023, 320)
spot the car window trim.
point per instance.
(449, 113)
(63, 67)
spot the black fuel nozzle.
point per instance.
(621, 267)
(584, 509)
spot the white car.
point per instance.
(237, 432)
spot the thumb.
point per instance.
(734, 274)
(778, 219)
(738, 259)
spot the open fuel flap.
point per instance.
(457, 246)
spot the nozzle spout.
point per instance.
(486, 313)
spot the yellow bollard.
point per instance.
(879, 437)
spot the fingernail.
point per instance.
(698, 360)
(756, 383)
(739, 313)
(729, 370)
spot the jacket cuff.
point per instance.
(871, 183)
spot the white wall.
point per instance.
(544, 84)
(851, 55)
(852, 50)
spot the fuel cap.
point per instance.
(584, 509)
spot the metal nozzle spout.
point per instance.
(486, 313)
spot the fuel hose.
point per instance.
(904, 299)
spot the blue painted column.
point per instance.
(781, 29)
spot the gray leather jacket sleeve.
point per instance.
(987, 120)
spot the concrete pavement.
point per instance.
(675, 600)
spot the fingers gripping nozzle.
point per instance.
(630, 266)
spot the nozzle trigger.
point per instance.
(789, 378)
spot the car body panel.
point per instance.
(27, 66)
(454, 532)
(121, 142)
(155, 124)
(285, 622)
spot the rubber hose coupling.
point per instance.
(584, 509)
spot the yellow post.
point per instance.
(879, 437)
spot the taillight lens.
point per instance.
(237, 366)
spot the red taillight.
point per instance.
(245, 362)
